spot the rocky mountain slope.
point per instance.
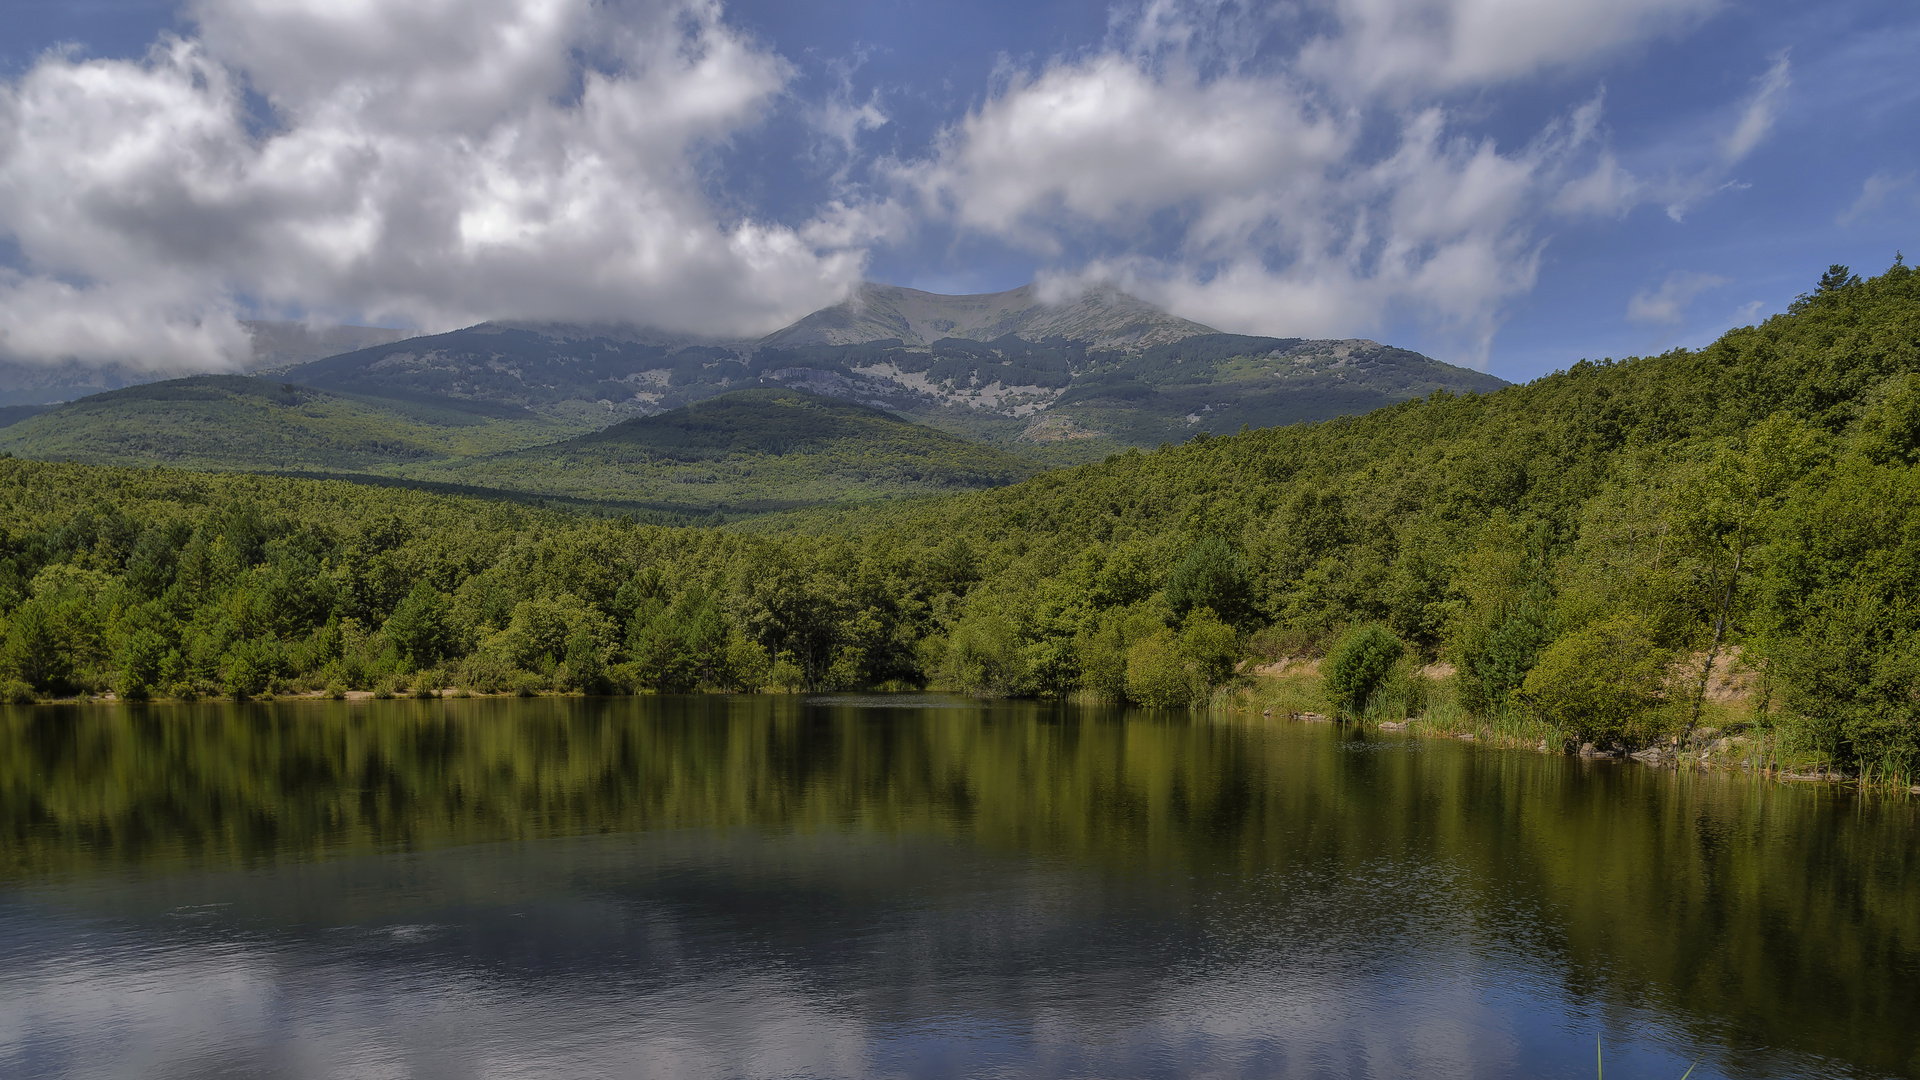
(1007, 366)
(1103, 318)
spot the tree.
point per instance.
(1836, 278)
(1212, 576)
(1359, 665)
(1722, 512)
(420, 626)
(1602, 682)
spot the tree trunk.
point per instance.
(1713, 650)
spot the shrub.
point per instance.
(1210, 650)
(1157, 675)
(527, 684)
(786, 675)
(16, 692)
(586, 668)
(1601, 683)
(983, 655)
(337, 690)
(1359, 665)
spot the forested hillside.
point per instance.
(746, 452)
(1578, 548)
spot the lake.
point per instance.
(918, 886)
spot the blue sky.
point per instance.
(1507, 184)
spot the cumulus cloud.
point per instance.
(1287, 218)
(1667, 305)
(1309, 168)
(1330, 190)
(435, 163)
(1107, 141)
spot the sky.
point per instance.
(1510, 185)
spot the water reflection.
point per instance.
(771, 886)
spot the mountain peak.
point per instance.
(1103, 316)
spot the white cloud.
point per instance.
(434, 163)
(1334, 191)
(1668, 304)
(1757, 118)
(1875, 193)
(1107, 141)
(1400, 47)
(1287, 223)
(439, 162)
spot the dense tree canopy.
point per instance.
(1584, 546)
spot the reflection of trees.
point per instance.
(1782, 914)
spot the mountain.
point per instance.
(275, 344)
(282, 344)
(242, 422)
(746, 451)
(1102, 317)
(514, 406)
(553, 369)
(1077, 379)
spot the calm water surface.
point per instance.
(917, 887)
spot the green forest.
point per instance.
(1579, 551)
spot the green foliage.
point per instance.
(1157, 675)
(1167, 670)
(419, 626)
(1757, 496)
(983, 656)
(1212, 576)
(1601, 683)
(1358, 666)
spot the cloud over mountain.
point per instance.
(1319, 193)
(1321, 168)
(434, 162)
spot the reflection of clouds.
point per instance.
(696, 954)
(1291, 1017)
(186, 1013)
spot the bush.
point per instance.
(337, 690)
(1210, 650)
(527, 684)
(983, 656)
(786, 675)
(1604, 682)
(1359, 665)
(1157, 675)
(586, 669)
(16, 692)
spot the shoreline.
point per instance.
(1734, 748)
